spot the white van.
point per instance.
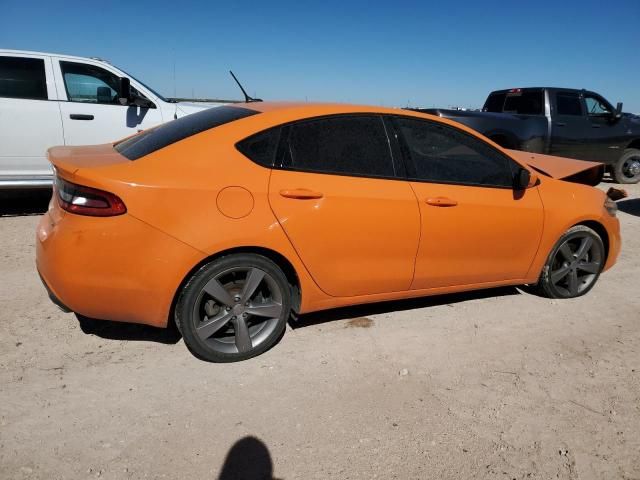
(48, 99)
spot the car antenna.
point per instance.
(247, 98)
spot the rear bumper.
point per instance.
(52, 296)
(115, 268)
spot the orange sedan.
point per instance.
(227, 220)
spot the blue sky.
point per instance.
(389, 53)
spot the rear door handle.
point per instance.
(442, 202)
(300, 194)
(80, 116)
(561, 124)
(595, 126)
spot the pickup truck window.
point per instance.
(494, 103)
(90, 84)
(23, 78)
(568, 103)
(596, 107)
(443, 154)
(527, 102)
(522, 102)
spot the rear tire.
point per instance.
(234, 308)
(627, 169)
(574, 264)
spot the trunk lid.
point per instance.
(68, 160)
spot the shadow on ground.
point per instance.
(630, 206)
(14, 203)
(248, 459)
(128, 331)
(360, 311)
(143, 333)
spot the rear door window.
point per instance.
(171, 132)
(23, 78)
(348, 145)
(442, 154)
(568, 103)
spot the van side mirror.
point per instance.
(522, 179)
(124, 91)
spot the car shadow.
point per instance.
(630, 206)
(128, 331)
(360, 311)
(15, 203)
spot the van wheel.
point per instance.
(574, 264)
(627, 168)
(234, 308)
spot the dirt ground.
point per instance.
(493, 384)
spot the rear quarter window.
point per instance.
(174, 131)
(261, 147)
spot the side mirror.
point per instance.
(617, 115)
(124, 91)
(523, 179)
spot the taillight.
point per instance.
(83, 200)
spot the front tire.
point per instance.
(627, 169)
(574, 264)
(234, 308)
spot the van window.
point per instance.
(23, 78)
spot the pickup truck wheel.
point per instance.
(627, 168)
(574, 264)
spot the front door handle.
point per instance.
(441, 202)
(301, 194)
(80, 116)
(561, 124)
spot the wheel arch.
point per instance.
(276, 257)
(601, 231)
(634, 144)
(503, 138)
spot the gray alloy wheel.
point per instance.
(627, 168)
(234, 308)
(574, 265)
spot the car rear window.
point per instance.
(171, 132)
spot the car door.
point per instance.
(475, 227)
(607, 139)
(29, 117)
(336, 193)
(570, 128)
(92, 113)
